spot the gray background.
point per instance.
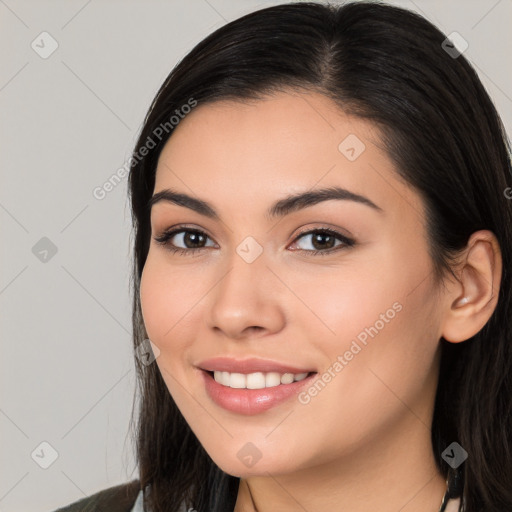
(68, 122)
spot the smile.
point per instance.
(250, 401)
(257, 380)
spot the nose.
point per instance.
(245, 302)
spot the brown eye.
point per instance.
(191, 239)
(324, 241)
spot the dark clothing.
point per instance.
(114, 499)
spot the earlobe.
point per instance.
(473, 299)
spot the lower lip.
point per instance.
(251, 401)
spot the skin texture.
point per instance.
(363, 442)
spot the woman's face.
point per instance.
(362, 312)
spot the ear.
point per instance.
(472, 299)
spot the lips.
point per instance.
(237, 385)
(251, 365)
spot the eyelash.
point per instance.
(164, 238)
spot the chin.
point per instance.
(256, 467)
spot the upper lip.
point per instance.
(251, 365)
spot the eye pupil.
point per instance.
(194, 238)
(318, 237)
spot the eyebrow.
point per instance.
(280, 208)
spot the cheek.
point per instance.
(392, 355)
(166, 304)
(151, 300)
(381, 315)
(351, 303)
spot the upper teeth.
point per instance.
(256, 380)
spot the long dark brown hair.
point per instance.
(441, 130)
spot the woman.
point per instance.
(322, 264)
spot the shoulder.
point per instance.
(120, 498)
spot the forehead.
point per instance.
(244, 152)
(283, 128)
